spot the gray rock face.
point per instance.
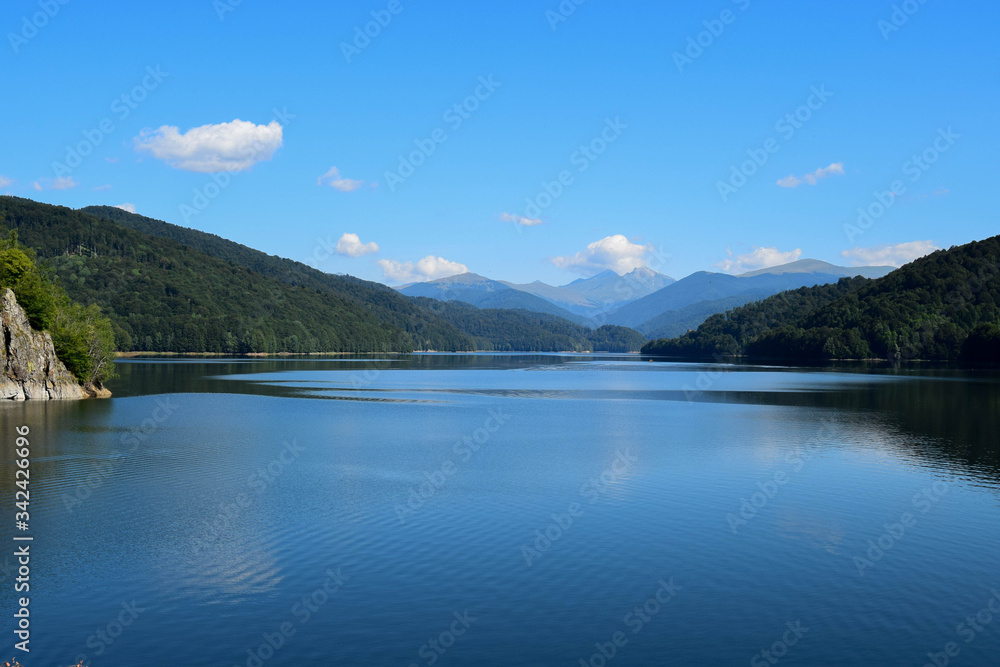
(31, 369)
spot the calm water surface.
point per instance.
(512, 510)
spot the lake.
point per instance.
(512, 510)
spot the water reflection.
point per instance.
(160, 471)
(951, 411)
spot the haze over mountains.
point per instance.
(650, 302)
(589, 296)
(482, 292)
(580, 301)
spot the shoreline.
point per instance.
(131, 355)
(134, 355)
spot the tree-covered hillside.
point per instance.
(164, 296)
(170, 289)
(529, 331)
(730, 333)
(677, 322)
(386, 304)
(943, 306)
(925, 310)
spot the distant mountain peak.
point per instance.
(461, 278)
(652, 274)
(609, 275)
(819, 266)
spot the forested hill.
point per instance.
(169, 289)
(505, 330)
(164, 296)
(431, 326)
(391, 308)
(945, 306)
(731, 333)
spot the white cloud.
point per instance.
(231, 146)
(520, 220)
(335, 181)
(758, 258)
(791, 181)
(351, 245)
(64, 183)
(4, 181)
(889, 255)
(612, 252)
(428, 268)
(100, 188)
(126, 207)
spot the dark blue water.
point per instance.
(512, 510)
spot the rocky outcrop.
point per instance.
(96, 390)
(31, 369)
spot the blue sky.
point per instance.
(324, 127)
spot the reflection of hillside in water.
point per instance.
(954, 415)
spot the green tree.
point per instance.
(82, 337)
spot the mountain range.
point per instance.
(652, 303)
(591, 296)
(482, 292)
(170, 288)
(943, 306)
(581, 301)
(166, 288)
